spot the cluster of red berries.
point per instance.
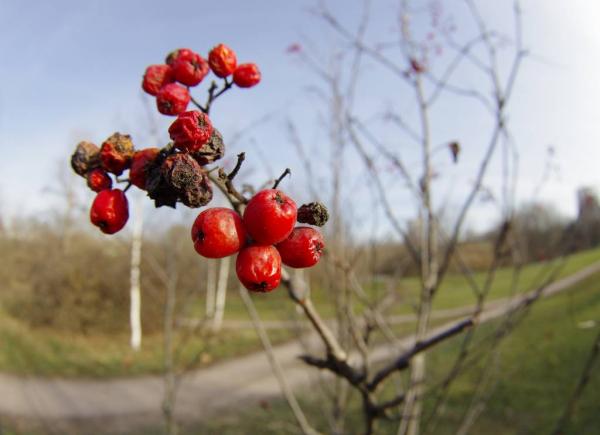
(264, 238)
(173, 174)
(110, 209)
(188, 68)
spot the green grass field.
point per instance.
(51, 353)
(537, 369)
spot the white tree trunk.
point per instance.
(135, 320)
(211, 283)
(221, 293)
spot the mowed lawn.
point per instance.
(536, 369)
(46, 352)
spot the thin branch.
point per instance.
(403, 360)
(277, 370)
(281, 177)
(584, 379)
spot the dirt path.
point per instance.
(114, 403)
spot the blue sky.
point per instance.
(71, 70)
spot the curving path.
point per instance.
(59, 405)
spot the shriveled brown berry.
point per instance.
(85, 158)
(212, 150)
(314, 213)
(185, 176)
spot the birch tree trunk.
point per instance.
(135, 320)
(221, 293)
(211, 282)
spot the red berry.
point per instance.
(259, 268)
(222, 60)
(98, 180)
(110, 211)
(218, 232)
(180, 53)
(156, 77)
(191, 130)
(139, 166)
(246, 75)
(116, 153)
(190, 69)
(302, 248)
(270, 216)
(172, 99)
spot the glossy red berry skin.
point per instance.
(139, 165)
(218, 232)
(172, 99)
(191, 130)
(190, 69)
(222, 60)
(303, 248)
(259, 268)
(98, 180)
(246, 75)
(180, 53)
(156, 77)
(110, 211)
(270, 216)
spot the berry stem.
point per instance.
(240, 159)
(281, 177)
(127, 187)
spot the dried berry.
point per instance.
(110, 211)
(212, 150)
(85, 158)
(186, 177)
(191, 130)
(259, 268)
(139, 166)
(270, 216)
(303, 248)
(314, 213)
(116, 153)
(98, 180)
(246, 75)
(172, 99)
(190, 69)
(218, 232)
(156, 77)
(222, 60)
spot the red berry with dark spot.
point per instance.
(110, 211)
(116, 153)
(191, 130)
(259, 268)
(222, 60)
(98, 180)
(156, 77)
(190, 69)
(180, 53)
(218, 232)
(139, 166)
(303, 248)
(172, 99)
(246, 75)
(270, 216)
